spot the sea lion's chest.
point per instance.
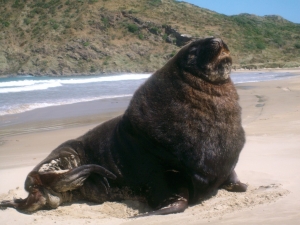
(207, 124)
(200, 127)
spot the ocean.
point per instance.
(20, 94)
(24, 93)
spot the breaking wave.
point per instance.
(43, 84)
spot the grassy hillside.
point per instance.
(61, 37)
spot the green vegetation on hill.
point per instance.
(62, 37)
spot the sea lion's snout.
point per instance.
(224, 49)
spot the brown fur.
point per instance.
(177, 143)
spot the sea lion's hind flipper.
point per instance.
(233, 184)
(75, 178)
(8, 203)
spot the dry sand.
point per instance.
(269, 163)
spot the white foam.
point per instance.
(15, 109)
(31, 85)
(41, 86)
(22, 83)
(106, 79)
(252, 77)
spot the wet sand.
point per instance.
(269, 163)
(56, 117)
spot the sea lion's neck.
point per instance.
(196, 84)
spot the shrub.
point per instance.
(173, 53)
(93, 69)
(18, 4)
(278, 40)
(105, 21)
(155, 2)
(297, 45)
(68, 25)
(164, 37)
(92, 1)
(27, 21)
(52, 10)
(132, 11)
(260, 45)
(141, 36)
(55, 26)
(249, 45)
(6, 23)
(155, 30)
(132, 28)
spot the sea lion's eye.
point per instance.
(193, 50)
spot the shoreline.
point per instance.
(294, 69)
(240, 70)
(269, 163)
(56, 117)
(85, 113)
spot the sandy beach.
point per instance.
(269, 162)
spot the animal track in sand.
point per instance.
(284, 88)
(227, 202)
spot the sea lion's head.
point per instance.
(208, 59)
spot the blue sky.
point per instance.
(288, 9)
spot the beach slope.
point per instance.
(269, 163)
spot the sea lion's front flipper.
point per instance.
(176, 204)
(233, 183)
(75, 178)
(169, 195)
(176, 207)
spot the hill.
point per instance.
(63, 37)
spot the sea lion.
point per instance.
(178, 142)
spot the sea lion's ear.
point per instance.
(196, 47)
(191, 57)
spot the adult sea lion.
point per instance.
(178, 142)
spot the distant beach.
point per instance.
(269, 163)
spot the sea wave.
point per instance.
(20, 108)
(106, 79)
(64, 80)
(35, 84)
(42, 86)
(252, 77)
(20, 83)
